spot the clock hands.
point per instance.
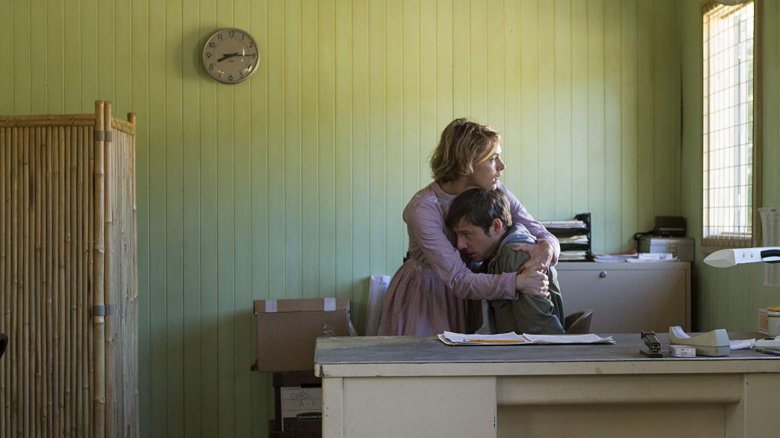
(234, 54)
(227, 56)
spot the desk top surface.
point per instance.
(406, 354)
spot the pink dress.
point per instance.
(428, 293)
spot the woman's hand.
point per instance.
(533, 282)
(541, 255)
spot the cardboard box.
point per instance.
(297, 394)
(295, 428)
(288, 329)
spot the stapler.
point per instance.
(713, 343)
(653, 346)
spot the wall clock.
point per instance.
(230, 55)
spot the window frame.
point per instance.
(717, 242)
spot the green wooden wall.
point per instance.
(728, 298)
(292, 183)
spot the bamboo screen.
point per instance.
(68, 285)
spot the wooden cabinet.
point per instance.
(628, 297)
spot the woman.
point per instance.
(429, 292)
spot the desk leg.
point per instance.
(755, 416)
(332, 407)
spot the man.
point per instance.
(486, 236)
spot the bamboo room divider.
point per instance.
(68, 282)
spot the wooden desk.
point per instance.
(419, 387)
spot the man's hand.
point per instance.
(533, 282)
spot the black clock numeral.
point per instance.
(230, 78)
(232, 33)
(211, 66)
(208, 55)
(212, 45)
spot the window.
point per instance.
(730, 117)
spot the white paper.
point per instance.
(569, 339)
(741, 344)
(501, 338)
(512, 338)
(377, 287)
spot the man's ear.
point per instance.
(497, 226)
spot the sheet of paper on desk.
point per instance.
(569, 339)
(512, 338)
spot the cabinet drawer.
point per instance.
(628, 297)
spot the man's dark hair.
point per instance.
(479, 207)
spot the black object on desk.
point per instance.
(653, 346)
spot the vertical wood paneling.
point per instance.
(38, 63)
(666, 151)
(361, 222)
(292, 184)
(261, 403)
(192, 413)
(174, 236)
(377, 210)
(21, 53)
(394, 140)
(628, 121)
(55, 61)
(243, 227)
(612, 110)
(596, 129)
(72, 51)
(326, 146)
(645, 164)
(276, 148)
(410, 140)
(208, 257)
(478, 34)
(529, 110)
(562, 180)
(580, 173)
(90, 61)
(429, 69)
(292, 148)
(140, 104)
(545, 86)
(344, 148)
(7, 85)
(512, 76)
(495, 66)
(445, 71)
(310, 174)
(157, 204)
(123, 57)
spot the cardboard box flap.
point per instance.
(301, 305)
(287, 330)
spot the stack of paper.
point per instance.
(574, 224)
(511, 338)
(652, 257)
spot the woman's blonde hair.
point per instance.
(463, 143)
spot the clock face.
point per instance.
(230, 55)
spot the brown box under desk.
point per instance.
(302, 427)
(300, 379)
(295, 428)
